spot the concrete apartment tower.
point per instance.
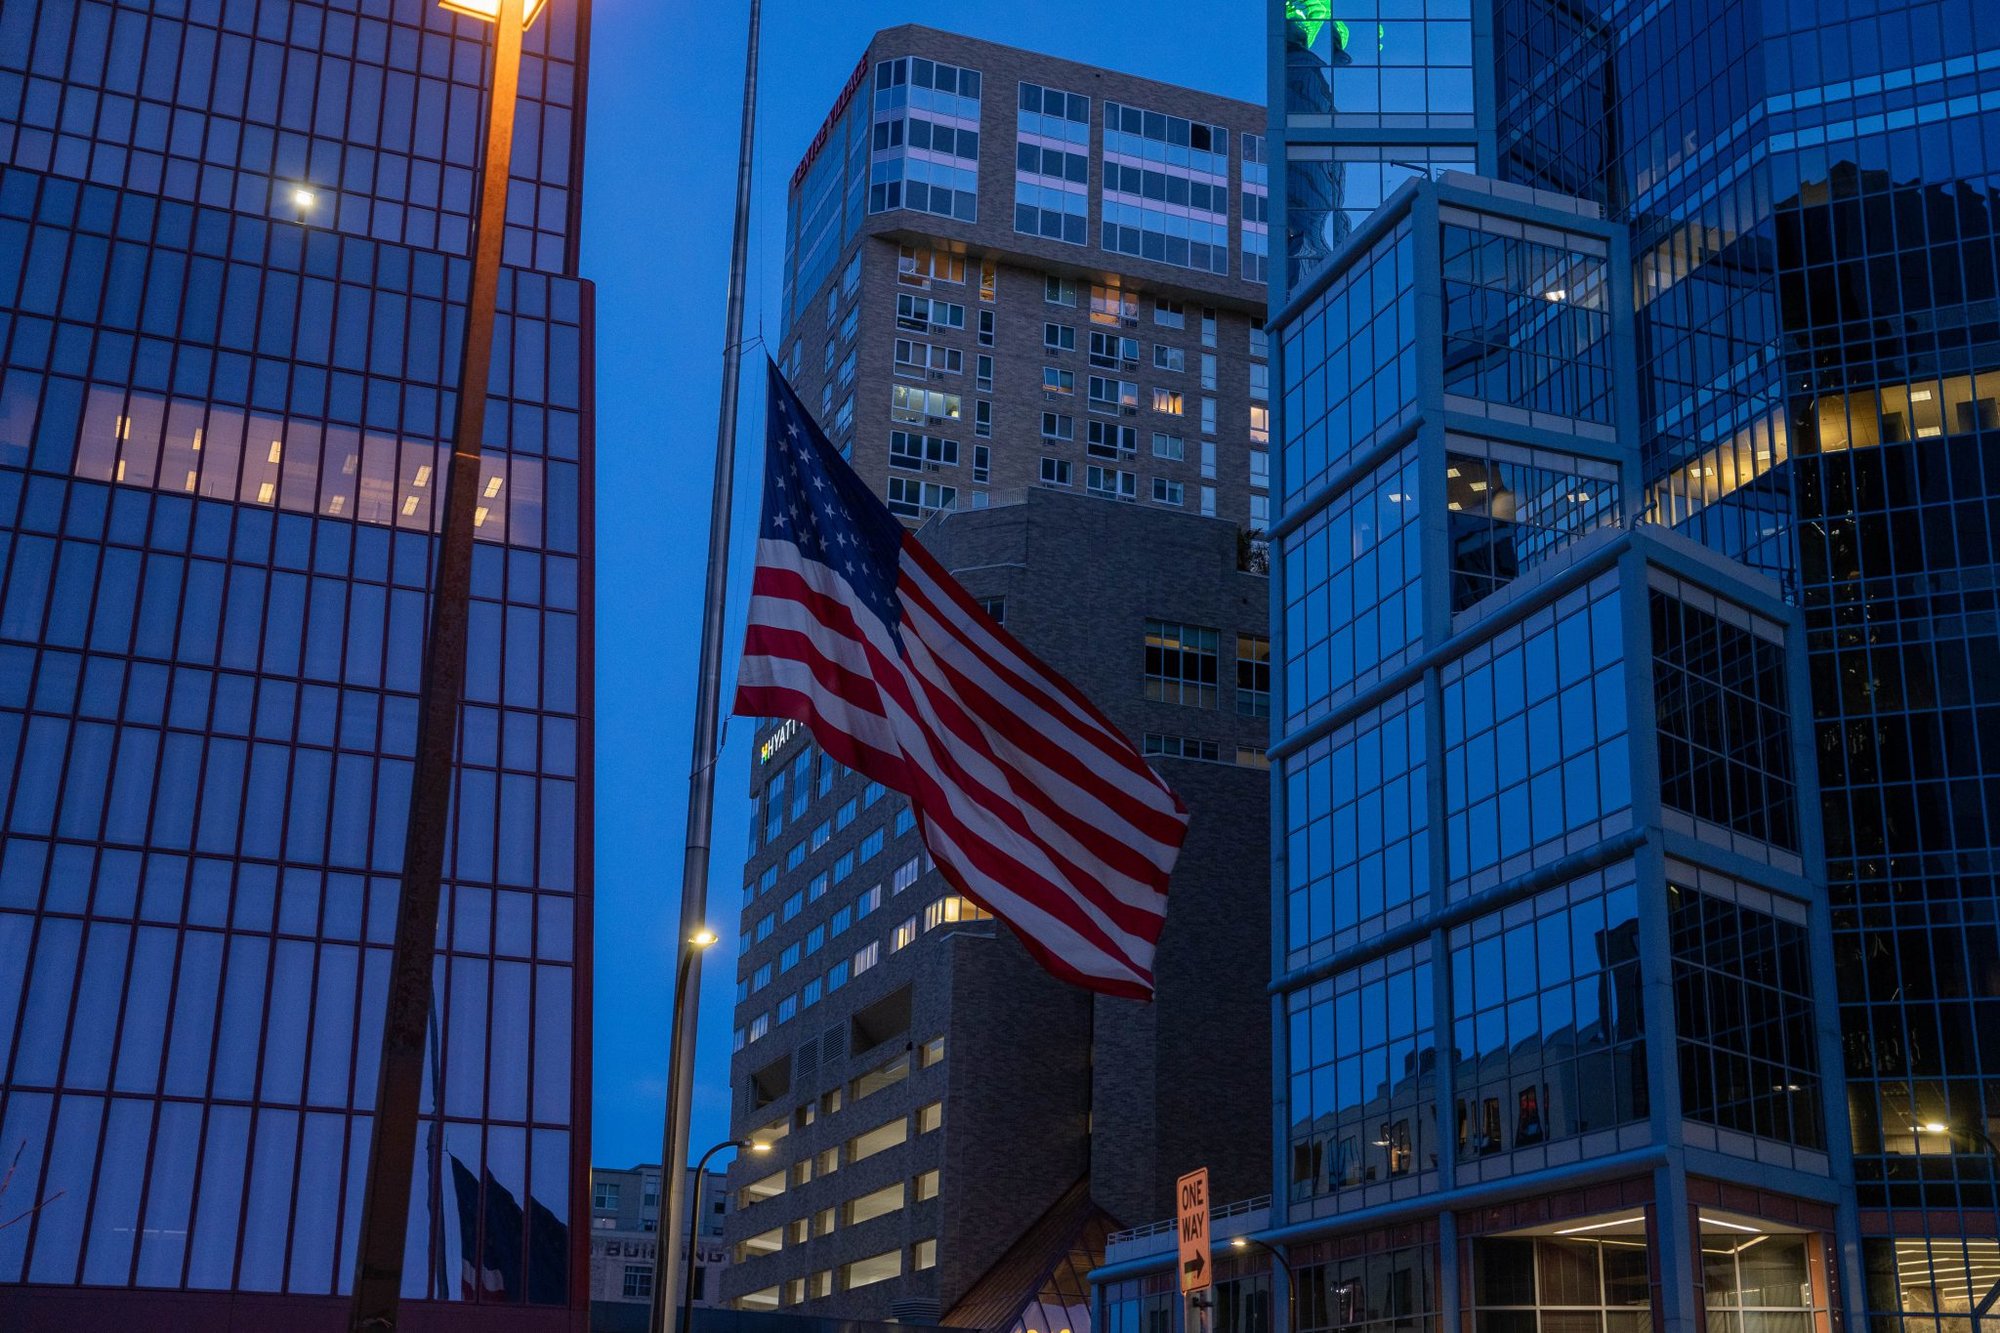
(1025, 296)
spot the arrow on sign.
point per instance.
(1195, 1267)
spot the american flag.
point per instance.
(1032, 804)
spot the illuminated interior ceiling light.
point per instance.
(1478, 485)
(1451, 472)
(493, 488)
(347, 468)
(197, 442)
(1920, 395)
(1556, 294)
(479, 517)
(190, 480)
(1453, 505)
(1599, 1226)
(1708, 1221)
(267, 492)
(489, 10)
(409, 505)
(336, 504)
(423, 475)
(277, 452)
(121, 469)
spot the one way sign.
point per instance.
(1193, 1216)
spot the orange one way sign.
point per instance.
(1193, 1215)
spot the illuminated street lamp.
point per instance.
(694, 1215)
(1243, 1243)
(385, 1207)
(672, 1146)
(1970, 1132)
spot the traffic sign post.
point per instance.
(1192, 1212)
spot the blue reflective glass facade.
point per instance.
(1553, 948)
(1810, 190)
(1778, 380)
(232, 269)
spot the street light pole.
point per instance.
(694, 1224)
(1291, 1277)
(707, 705)
(664, 1256)
(385, 1206)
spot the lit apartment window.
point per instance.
(927, 1186)
(867, 1272)
(767, 1299)
(879, 1139)
(1180, 663)
(868, 902)
(876, 1204)
(759, 1026)
(1253, 675)
(903, 936)
(824, 1222)
(767, 1242)
(882, 1076)
(768, 1187)
(1108, 305)
(920, 266)
(909, 403)
(820, 1284)
(930, 1117)
(1260, 423)
(1168, 401)
(951, 908)
(930, 1053)
(989, 280)
(867, 957)
(923, 1255)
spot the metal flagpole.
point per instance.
(708, 706)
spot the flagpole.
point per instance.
(708, 708)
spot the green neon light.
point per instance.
(1311, 16)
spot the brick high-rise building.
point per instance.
(1005, 270)
(233, 261)
(954, 1131)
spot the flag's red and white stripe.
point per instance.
(1030, 801)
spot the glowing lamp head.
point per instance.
(702, 938)
(760, 1147)
(302, 198)
(1935, 1127)
(489, 10)
(1238, 1243)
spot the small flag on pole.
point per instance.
(1032, 804)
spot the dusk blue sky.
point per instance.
(665, 96)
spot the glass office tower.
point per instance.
(232, 266)
(1799, 213)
